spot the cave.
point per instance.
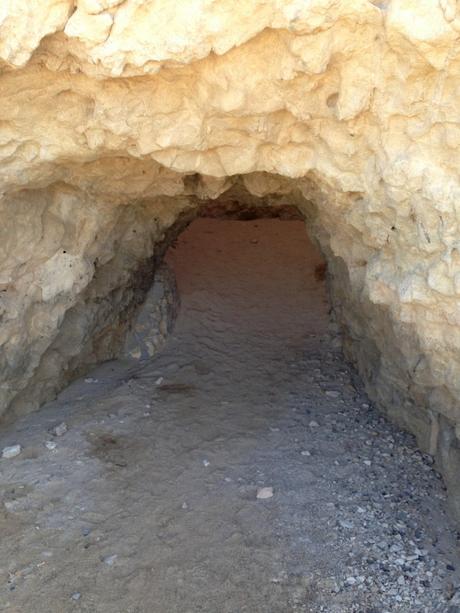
(134, 130)
(215, 355)
(72, 307)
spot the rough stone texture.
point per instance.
(119, 116)
(156, 316)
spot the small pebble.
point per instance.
(76, 596)
(264, 492)
(109, 560)
(50, 445)
(314, 424)
(206, 462)
(305, 452)
(11, 452)
(59, 429)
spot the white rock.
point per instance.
(11, 452)
(50, 445)
(264, 492)
(263, 116)
(59, 429)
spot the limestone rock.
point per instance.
(155, 318)
(11, 452)
(264, 492)
(120, 119)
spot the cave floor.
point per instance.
(148, 503)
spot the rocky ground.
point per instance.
(242, 470)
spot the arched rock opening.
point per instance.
(112, 137)
(82, 266)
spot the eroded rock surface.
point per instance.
(155, 318)
(242, 469)
(119, 118)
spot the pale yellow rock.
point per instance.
(23, 24)
(94, 28)
(119, 117)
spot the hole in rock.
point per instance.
(235, 464)
(255, 284)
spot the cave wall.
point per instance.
(120, 118)
(153, 321)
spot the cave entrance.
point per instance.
(241, 274)
(256, 281)
(241, 469)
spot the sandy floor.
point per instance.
(149, 501)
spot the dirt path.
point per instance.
(148, 503)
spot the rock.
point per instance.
(11, 452)
(388, 228)
(58, 430)
(332, 394)
(264, 492)
(76, 596)
(155, 318)
(51, 445)
(206, 463)
(314, 424)
(110, 559)
(305, 453)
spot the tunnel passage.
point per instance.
(241, 271)
(240, 468)
(250, 277)
(73, 283)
